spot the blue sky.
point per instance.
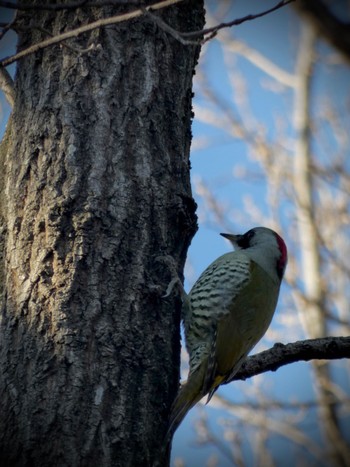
(270, 35)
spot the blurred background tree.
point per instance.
(271, 147)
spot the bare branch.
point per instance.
(260, 420)
(77, 50)
(325, 348)
(86, 28)
(66, 6)
(6, 28)
(213, 30)
(6, 85)
(180, 36)
(262, 62)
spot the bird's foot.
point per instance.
(175, 279)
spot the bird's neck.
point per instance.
(266, 259)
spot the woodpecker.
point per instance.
(227, 312)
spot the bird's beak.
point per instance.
(232, 238)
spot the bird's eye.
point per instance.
(244, 241)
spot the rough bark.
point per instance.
(96, 187)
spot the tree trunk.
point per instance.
(96, 187)
(313, 318)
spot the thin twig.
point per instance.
(262, 62)
(181, 36)
(65, 6)
(6, 27)
(82, 29)
(235, 22)
(76, 50)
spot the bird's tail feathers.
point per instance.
(189, 394)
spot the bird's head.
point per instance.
(264, 246)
